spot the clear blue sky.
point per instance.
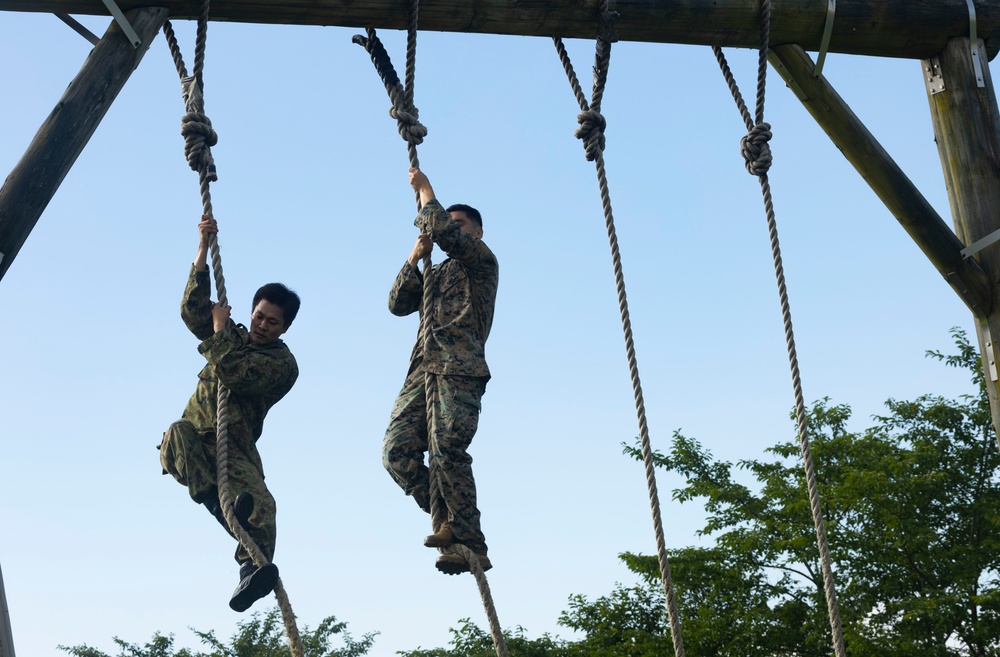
(95, 543)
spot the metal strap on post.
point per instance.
(980, 244)
(977, 67)
(990, 352)
(123, 23)
(831, 11)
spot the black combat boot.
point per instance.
(243, 506)
(254, 584)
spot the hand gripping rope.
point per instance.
(413, 133)
(199, 137)
(591, 131)
(755, 150)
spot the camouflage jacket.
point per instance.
(465, 290)
(257, 376)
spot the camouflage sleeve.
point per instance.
(437, 222)
(196, 307)
(407, 291)
(247, 370)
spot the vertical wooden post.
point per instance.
(60, 140)
(967, 131)
(6, 638)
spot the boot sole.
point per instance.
(258, 585)
(449, 567)
(456, 565)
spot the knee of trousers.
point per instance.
(180, 435)
(179, 438)
(398, 450)
(387, 454)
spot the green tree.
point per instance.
(469, 640)
(258, 636)
(912, 510)
(626, 623)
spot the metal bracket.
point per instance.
(79, 29)
(831, 11)
(977, 67)
(980, 244)
(123, 23)
(932, 75)
(991, 360)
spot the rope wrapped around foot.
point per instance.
(591, 131)
(756, 150)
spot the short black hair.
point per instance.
(469, 211)
(282, 297)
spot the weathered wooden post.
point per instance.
(33, 182)
(967, 130)
(6, 638)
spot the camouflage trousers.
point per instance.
(190, 457)
(444, 436)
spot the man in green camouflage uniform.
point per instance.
(258, 369)
(452, 371)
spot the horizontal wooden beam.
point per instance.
(913, 29)
(934, 237)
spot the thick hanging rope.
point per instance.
(199, 137)
(757, 153)
(591, 132)
(413, 133)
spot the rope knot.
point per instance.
(408, 122)
(196, 128)
(199, 137)
(591, 131)
(755, 149)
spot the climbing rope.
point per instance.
(757, 153)
(199, 137)
(591, 132)
(413, 132)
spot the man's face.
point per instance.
(267, 323)
(465, 224)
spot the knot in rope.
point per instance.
(591, 131)
(196, 128)
(410, 128)
(199, 137)
(755, 149)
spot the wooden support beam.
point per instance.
(64, 134)
(893, 28)
(967, 131)
(885, 177)
(6, 637)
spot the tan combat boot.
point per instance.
(443, 537)
(454, 564)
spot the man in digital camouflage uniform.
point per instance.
(453, 371)
(258, 369)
